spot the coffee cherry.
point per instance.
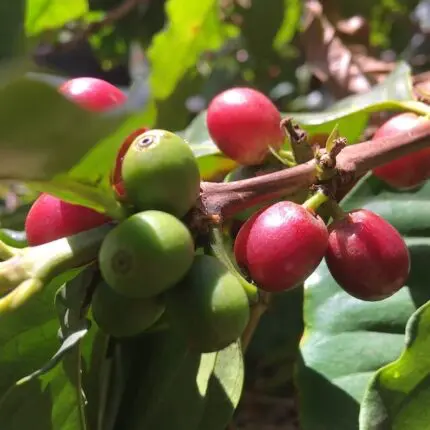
(50, 219)
(146, 254)
(243, 123)
(160, 172)
(93, 94)
(120, 316)
(367, 256)
(116, 174)
(280, 246)
(410, 170)
(209, 306)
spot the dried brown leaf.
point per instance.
(329, 58)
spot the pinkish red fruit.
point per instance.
(93, 94)
(116, 179)
(51, 218)
(243, 123)
(367, 256)
(280, 246)
(410, 170)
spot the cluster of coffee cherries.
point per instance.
(280, 245)
(152, 272)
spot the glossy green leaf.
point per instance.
(15, 238)
(173, 380)
(60, 400)
(51, 14)
(398, 394)
(190, 31)
(225, 388)
(346, 340)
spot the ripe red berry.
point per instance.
(281, 245)
(93, 94)
(243, 123)
(116, 175)
(51, 218)
(410, 170)
(367, 256)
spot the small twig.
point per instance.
(227, 199)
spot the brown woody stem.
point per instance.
(226, 199)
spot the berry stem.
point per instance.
(31, 268)
(7, 251)
(227, 199)
(314, 202)
(336, 212)
(257, 311)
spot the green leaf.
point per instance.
(51, 150)
(346, 340)
(290, 24)
(51, 14)
(190, 31)
(398, 394)
(28, 334)
(15, 238)
(352, 113)
(225, 388)
(60, 400)
(12, 16)
(172, 381)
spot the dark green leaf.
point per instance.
(398, 394)
(60, 378)
(346, 340)
(225, 388)
(28, 333)
(171, 385)
(12, 16)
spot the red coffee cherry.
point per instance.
(367, 256)
(243, 123)
(280, 246)
(410, 170)
(51, 218)
(93, 94)
(116, 175)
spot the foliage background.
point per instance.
(315, 357)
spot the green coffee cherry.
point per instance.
(209, 306)
(160, 172)
(146, 254)
(120, 316)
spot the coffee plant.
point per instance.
(180, 232)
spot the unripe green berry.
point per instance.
(120, 316)
(146, 254)
(209, 307)
(159, 171)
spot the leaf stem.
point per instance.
(257, 311)
(40, 264)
